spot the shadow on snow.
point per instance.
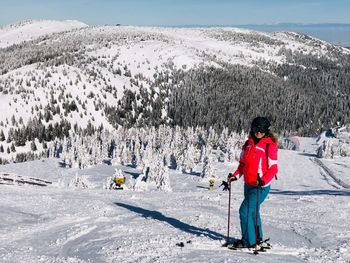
(311, 192)
(134, 175)
(173, 222)
(202, 187)
(193, 173)
(308, 154)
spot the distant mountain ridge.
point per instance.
(336, 33)
(301, 24)
(31, 29)
(38, 21)
(86, 78)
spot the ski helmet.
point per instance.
(260, 124)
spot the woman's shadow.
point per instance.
(173, 222)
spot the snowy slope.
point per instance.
(306, 216)
(86, 60)
(82, 74)
(32, 29)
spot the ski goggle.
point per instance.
(259, 129)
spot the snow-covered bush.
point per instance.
(80, 182)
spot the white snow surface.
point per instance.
(32, 29)
(305, 214)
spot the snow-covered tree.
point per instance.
(155, 175)
(234, 145)
(2, 136)
(208, 170)
(343, 150)
(163, 178)
(33, 146)
(189, 159)
(80, 182)
(326, 149)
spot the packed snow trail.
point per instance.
(306, 216)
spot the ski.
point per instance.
(263, 246)
(232, 247)
(247, 250)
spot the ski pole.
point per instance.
(229, 213)
(256, 221)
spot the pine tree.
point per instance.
(10, 136)
(208, 170)
(343, 150)
(163, 179)
(13, 120)
(2, 136)
(155, 175)
(189, 159)
(326, 150)
(33, 146)
(13, 148)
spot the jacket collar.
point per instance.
(263, 141)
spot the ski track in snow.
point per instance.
(329, 173)
(305, 216)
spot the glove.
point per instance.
(260, 182)
(226, 186)
(231, 178)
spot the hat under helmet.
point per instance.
(260, 124)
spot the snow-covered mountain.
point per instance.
(85, 77)
(32, 29)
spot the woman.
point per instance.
(258, 165)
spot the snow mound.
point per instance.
(32, 29)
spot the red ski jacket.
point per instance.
(255, 161)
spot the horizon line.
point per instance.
(295, 24)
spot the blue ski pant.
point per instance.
(248, 210)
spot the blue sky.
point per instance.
(178, 12)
